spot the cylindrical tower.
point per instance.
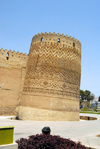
(52, 82)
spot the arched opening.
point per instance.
(42, 39)
(7, 54)
(73, 44)
(58, 39)
(7, 58)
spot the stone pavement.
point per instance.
(83, 131)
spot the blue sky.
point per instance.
(20, 20)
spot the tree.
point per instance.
(87, 92)
(82, 95)
(92, 96)
(99, 99)
(88, 104)
(86, 95)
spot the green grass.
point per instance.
(87, 110)
(90, 112)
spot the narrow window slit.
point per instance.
(42, 39)
(58, 39)
(73, 44)
(7, 58)
(7, 54)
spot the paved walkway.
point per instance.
(83, 131)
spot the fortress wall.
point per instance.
(12, 73)
(52, 80)
(49, 88)
(31, 113)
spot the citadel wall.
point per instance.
(52, 81)
(12, 74)
(49, 88)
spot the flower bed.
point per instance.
(43, 141)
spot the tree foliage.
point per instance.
(88, 104)
(86, 95)
(99, 99)
(82, 95)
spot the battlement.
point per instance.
(12, 59)
(8, 54)
(57, 38)
(3, 52)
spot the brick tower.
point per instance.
(52, 82)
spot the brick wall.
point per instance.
(12, 74)
(49, 88)
(52, 81)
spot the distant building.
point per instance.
(94, 102)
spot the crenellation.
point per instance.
(45, 33)
(62, 35)
(58, 34)
(17, 52)
(66, 36)
(56, 38)
(11, 52)
(12, 59)
(1, 49)
(53, 33)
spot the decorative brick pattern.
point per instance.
(49, 87)
(53, 71)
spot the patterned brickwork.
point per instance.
(53, 72)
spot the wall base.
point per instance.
(27, 113)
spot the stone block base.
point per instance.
(27, 113)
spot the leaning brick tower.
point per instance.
(52, 82)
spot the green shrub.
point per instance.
(94, 109)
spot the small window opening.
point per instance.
(42, 39)
(7, 58)
(73, 44)
(7, 54)
(58, 39)
(2, 53)
(12, 55)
